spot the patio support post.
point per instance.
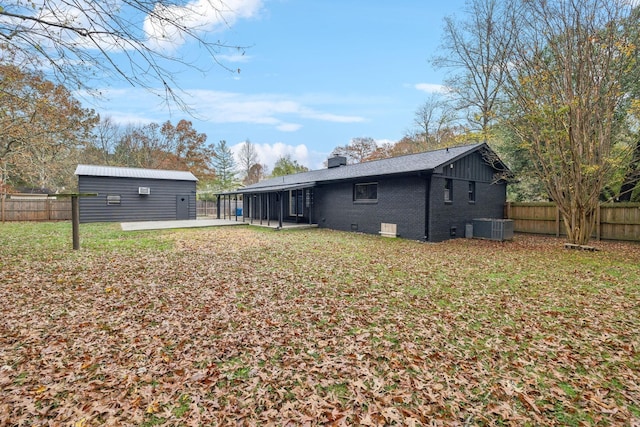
(268, 209)
(252, 207)
(218, 206)
(281, 213)
(308, 203)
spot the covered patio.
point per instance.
(279, 206)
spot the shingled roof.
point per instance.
(119, 172)
(421, 162)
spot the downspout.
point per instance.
(427, 206)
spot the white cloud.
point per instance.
(431, 88)
(201, 16)
(266, 109)
(234, 58)
(288, 127)
(268, 154)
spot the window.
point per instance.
(448, 190)
(295, 202)
(113, 199)
(366, 192)
(472, 192)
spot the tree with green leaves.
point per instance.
(285, 165)
(630, 109)
(564, 83)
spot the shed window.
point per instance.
(366, 192)
(472, 192)
(448, 190)
(113, 199)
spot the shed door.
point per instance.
(182, 207)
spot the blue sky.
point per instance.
(315, 75)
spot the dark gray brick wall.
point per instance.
(401, 201)
(490, 200)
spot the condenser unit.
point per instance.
(493, 229)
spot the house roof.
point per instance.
(119, 172)
(412, 163)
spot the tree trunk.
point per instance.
(579, 223)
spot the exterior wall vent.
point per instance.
(388, 230)
(144, 190)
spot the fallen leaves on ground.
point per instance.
(239, 326)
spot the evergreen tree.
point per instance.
(224, 166)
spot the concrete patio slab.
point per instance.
(160, 225)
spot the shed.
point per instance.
(428, 196)
(135, 194)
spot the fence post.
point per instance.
(557, 221)
(598, 222)
(75, 222)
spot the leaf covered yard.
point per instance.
(242, 326)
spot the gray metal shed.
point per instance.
(135, 194)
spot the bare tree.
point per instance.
(358, 150)
(565, 85)
(476, 51)
(247, 159)
(432, 119)
(84, 41)
(106, 134)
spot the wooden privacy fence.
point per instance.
(206, 208)
(51, 209)
(614, 221)
(37, 209)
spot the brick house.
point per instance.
(428, 196)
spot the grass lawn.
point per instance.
(246, 326)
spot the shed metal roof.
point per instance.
(119, 172)
(421, 162)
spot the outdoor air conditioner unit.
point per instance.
(492, 229)
(144, 190)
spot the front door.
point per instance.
(182, 207)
